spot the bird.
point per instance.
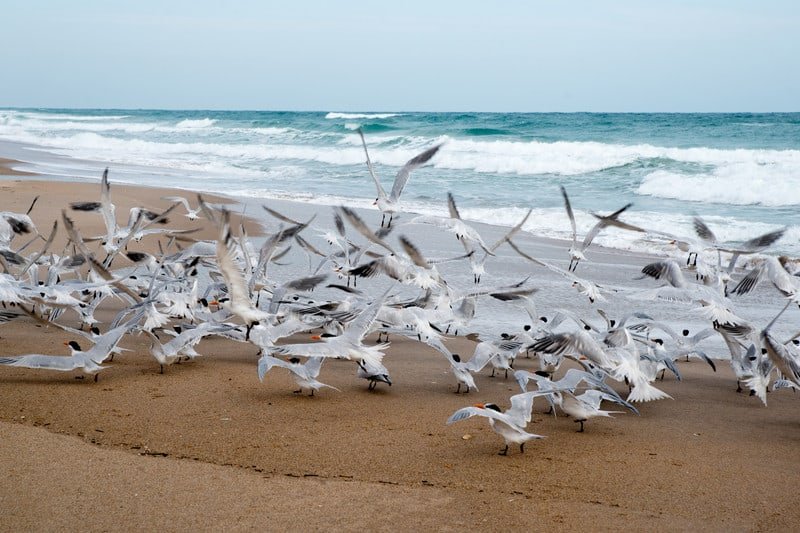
(191, 214)
(304, 374)
(88, 361)
(388, 204)
(509, 424)
(587, 405)
(576, 251)
(348, 345)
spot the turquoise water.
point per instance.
(740, 171)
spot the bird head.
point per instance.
(73, 345)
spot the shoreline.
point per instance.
(709, 459)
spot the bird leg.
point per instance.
(161, 369)
(522, 448)
(492, 374)
(505, 451)
(459, 388)
(581, 422)
(96, 376)
(738, 386)
(298, 391)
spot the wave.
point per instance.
(67, 116)
(743, 184)
(195, 123)
(353, 116)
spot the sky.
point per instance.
(526, 56)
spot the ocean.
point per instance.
(740, 171)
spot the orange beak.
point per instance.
(479, 406)
(213, 302)
(316, 338)
(66, 343)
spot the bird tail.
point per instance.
(645, 392)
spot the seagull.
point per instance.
(509, 424)
(389, 203)
(304, 374)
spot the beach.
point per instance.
(206, 445)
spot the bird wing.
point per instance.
(363, 229)
(668, 270)
(451, 206)
(750, 281)
(381, 192)
(703, 231)
(361, 324)
(50, 362)
(107, 208)
(469, 412)
(571, 216)
(267, 362)
(237, 288)
(513, 231)
(522, 406)
(401, 178)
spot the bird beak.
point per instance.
(316, 338)
(66, 343)
(479, 406)
(213, 302)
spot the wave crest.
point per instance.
(352, 116)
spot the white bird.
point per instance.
(183, 343)
(89, 361)
(576, 251)
(389, 203)
(771, 269)
(466, 234)
(584, 287)
(191, 214)
(509, 424)
(348, 345)
(587, 405)
(304, 374)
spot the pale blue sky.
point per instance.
(408, 56)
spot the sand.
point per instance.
(205, 445)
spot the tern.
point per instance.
(304, 374)
(509, 424)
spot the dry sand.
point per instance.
(207, 446)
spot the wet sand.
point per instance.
(206, 445)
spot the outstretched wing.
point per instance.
(402, 177)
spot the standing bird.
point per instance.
(509, 424)
(389, 203)
(304, 374)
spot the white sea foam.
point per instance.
(353, 116)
